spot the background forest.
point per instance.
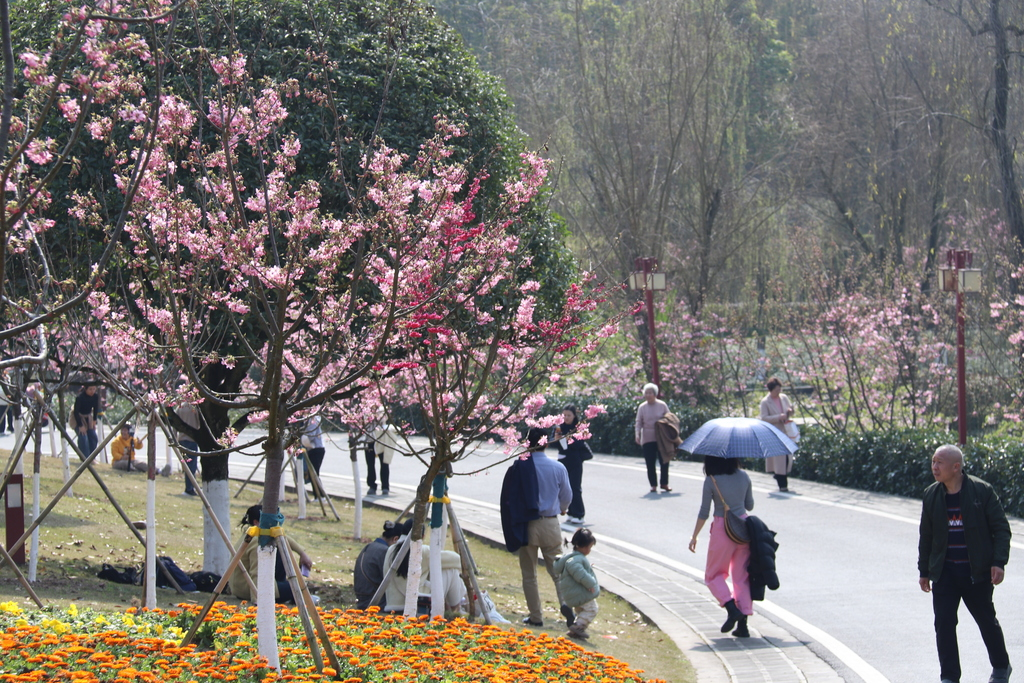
(799, 169)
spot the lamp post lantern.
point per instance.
(958, 276)
(644, 278)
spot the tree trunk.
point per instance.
(1004, 145)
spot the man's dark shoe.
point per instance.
(946, 680)
(734, 616)
(530, 622)
(1000, 675)
(741, 628)
(569, 614)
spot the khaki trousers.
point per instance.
(544, 534)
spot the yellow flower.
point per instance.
(127, 620)
(72, 610)
(55, 625)
(10, 607)
(21, 622)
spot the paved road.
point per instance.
(847, 561)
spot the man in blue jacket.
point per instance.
(965, 543)
(535, 491)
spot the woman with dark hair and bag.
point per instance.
(729, 487)
(572, 453)
(282, 589)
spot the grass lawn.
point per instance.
(84, 532)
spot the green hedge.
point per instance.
(898, 462)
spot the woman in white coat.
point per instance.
(777, 410)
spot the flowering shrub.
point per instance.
(84, 646)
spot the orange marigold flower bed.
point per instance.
(140, 646)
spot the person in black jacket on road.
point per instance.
(965, 543)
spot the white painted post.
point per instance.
(266, 625)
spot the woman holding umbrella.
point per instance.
(729, 488)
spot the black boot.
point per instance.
(734, 616)
(783, 480)
(741, 628)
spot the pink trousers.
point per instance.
(727, 559)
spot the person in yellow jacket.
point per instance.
(122, 451)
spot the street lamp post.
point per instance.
(958, 276)
(644, 278)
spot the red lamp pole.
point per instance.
(958, 260)
(648, 265)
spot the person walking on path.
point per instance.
(572, 453)
(189, 414)
(728, 486)
(777, 410)
(313, 445)
(534, 492)
(647, 415)
(578, 584)
(964, 546)
(385, 445)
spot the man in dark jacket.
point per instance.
(965, 543)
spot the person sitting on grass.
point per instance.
(122, 450)
(454, 588)
(578, 584)
(369, 570)
(250, 558)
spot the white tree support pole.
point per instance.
(437, 591)
(151, 424)
(66, 462)
(100, 433)
(412, 586)
(266, 625)
(357, 522)
(151, 543)
(300, 483)
(53, 441)
(169, 458)
(33, 561)
(281, 494)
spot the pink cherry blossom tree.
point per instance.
(56, 104)
(475, 361)
(212, 252)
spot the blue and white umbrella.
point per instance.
(738, 437)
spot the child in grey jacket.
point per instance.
(578, 584)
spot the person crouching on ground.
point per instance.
(578, 584)
(368, 573)
(250, 559)
(122, 450)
